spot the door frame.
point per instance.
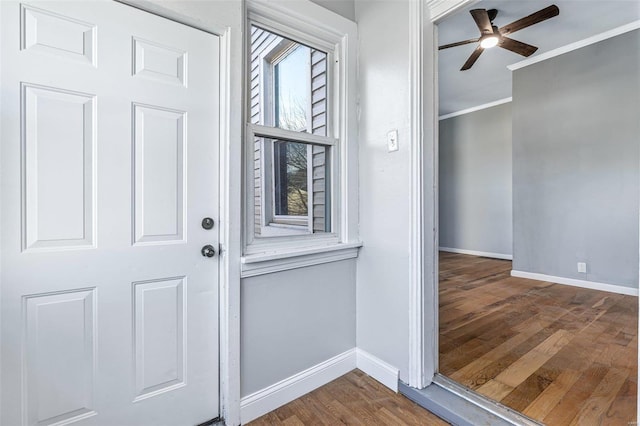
(228, 26)
(423, 307)
(423, 253)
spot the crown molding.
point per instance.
(475, 108)
(577, 45)
(438, 9)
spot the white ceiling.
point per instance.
(489, 79)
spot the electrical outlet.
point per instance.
(582, 267)
(392, 140)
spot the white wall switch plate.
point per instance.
(392, 140)
(582, 267)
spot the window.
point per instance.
(300, 149)
(292, 153)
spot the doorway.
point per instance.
(536, 341)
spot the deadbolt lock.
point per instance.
(207, 223)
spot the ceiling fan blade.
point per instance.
(459, 43)
(527, 21)
(472, 59)
(482, 20)
(516, 46)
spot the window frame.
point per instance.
(337, 37)
(272, 224)
(273, 134)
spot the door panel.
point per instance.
(58, 195)
(159, 336)
(110, 134)
(60, 380)
(159, 168)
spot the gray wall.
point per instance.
(345, 8)
(293, 320)
(385, 182)
(475, 181)
(576, 134)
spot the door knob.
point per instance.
(208, 251)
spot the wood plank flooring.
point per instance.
(559, 354)
(353, 399)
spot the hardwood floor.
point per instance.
(353, 399)
(559, 354)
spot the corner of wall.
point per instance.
(270, 398)
(381, 371)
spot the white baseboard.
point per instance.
(576, 283)
(268, 399)
(378, 369)
(274, 396)
(478, 253)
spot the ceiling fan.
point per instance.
(491, 36)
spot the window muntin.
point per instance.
(292, 177)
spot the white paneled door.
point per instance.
(110, 134)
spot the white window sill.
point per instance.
(267, 263)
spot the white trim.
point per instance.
(577, 45)
(423, 312)
(383, 372)
(307, 22)
(475, 108)
(268, 263)
(416, 219)
(431, 322)
(270, 398)
(612, 288)
(230, 231)
(263, 257)
(257, 130)
(156, 7)
(478, 253)
(274, 396)
(438, 9)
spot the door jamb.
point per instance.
(423, 286)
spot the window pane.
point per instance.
(288, 84)
(291, 188)
(291, 90)
(290, 176)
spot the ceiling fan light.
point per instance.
(489, 42)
